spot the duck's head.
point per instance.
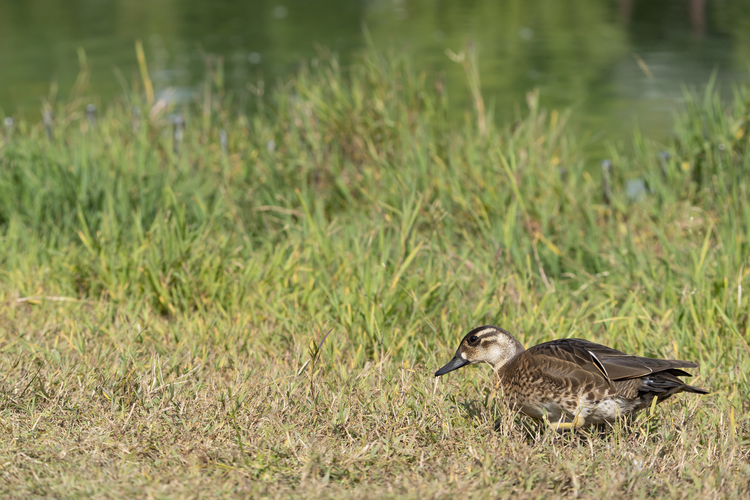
(486, 344)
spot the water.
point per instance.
(615, 62)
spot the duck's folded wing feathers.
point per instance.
(613, 364)
(565, 359)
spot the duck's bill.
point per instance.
(454, 364)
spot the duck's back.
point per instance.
(569, 377)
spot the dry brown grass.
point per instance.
(98, 406)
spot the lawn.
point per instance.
(255, 304)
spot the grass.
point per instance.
(263, 315)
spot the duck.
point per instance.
(571, 383)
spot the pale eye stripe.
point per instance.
(485, 331)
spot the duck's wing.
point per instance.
(612, 364)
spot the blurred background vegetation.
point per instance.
(584, 53)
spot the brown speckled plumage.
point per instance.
(571, 382)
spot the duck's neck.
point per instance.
(509, 359)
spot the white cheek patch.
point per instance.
(495, 352)
(463, 356)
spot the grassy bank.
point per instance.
(259, 306)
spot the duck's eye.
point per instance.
(473, 339)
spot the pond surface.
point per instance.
(615, 62)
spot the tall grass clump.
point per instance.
(194, 298)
